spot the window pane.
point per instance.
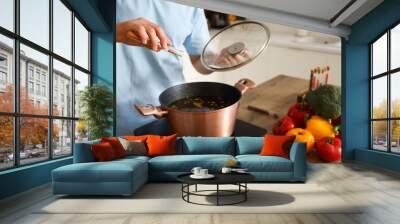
(379, 97)
(33, 140)
(35, 21)
(62, 89)
(62, 29)
(6, 142)
(7, 14)
(395, 47)
(62, 138)
(379, 55)
(379, 135)
(395, 94)
(34, 97)
(6, 74)
(81, 131)
(395, 129)
(81, 45)
(81, 81)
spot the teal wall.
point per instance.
(355, 84)
(24, 178)
(99, 16)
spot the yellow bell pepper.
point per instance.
(320, 127)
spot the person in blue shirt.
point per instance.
(145, 30)
(144, 68)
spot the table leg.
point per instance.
(245, 193)
(217, 194)
(195, 188)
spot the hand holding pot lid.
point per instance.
(225, 51)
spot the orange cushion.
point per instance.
(103, 152)
(276, 145)
(116, 145)
(161, 145)
(136, 137)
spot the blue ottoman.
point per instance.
(118, 177)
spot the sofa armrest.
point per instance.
(83, 152)
(298, 155)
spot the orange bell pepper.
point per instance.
(319, 127)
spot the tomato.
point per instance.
(299, 112)
(320, 127)
(329, 149)
(283, 125)
(303, 135)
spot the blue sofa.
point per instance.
(125, 176)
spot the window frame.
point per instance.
(388, 74)
(16, 114)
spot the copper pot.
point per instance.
(219, 122)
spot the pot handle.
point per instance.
(245, 84)
(146, 110)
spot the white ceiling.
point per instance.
(313, 15)
(321, 9)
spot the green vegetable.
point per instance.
(325, 101)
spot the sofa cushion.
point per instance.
(257, 163)
(116, 145)
(249, 145)
(185, 163)
(207, 145)
(134, 147)
(103, 152)
(161, 145)
(112, 171)
(277, 145)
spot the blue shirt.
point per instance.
(143, 74)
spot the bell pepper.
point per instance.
(283, 125)
(319, 127)
(303, 135)
(299, 112)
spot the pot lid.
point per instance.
(235, 46)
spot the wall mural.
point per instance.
(196, 72)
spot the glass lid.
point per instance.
(235, 46)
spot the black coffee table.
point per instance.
(238, 179)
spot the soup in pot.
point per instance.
(200, 103)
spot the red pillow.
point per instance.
(116, 145)
(136, 137)
(277, 145)
(103, 152)
(161, 145)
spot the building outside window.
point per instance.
(44, 91)
(30, 72)
(3, 78)
(30, 87)
(3, 72)
(58, 124)
(385, 91)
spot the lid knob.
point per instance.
(236, 48)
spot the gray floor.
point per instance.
(351, 181)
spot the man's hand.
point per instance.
(225, 59)
(141, 32)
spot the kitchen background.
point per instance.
(292, 52)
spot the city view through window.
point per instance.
(39, 113)
(385, 92)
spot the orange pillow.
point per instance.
(277, 145)
(116, 145)
(136, 137)
(103, 152)
(161, 145)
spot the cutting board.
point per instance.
(274, 96)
